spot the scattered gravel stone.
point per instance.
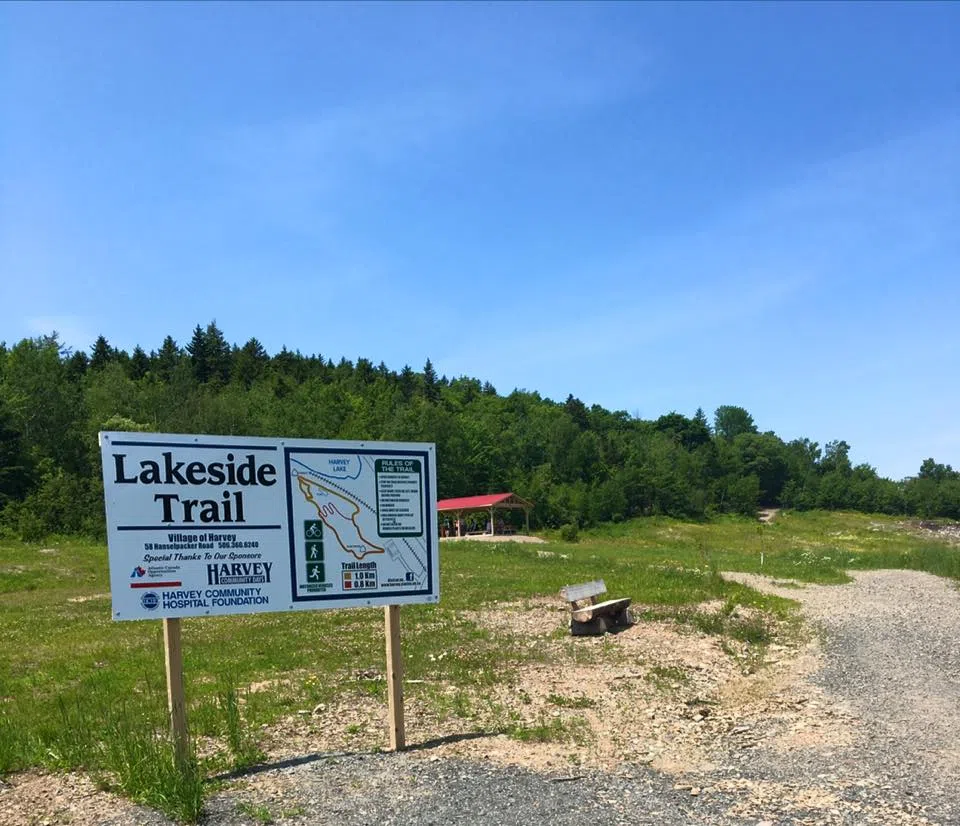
(892, 661)
(403, 789)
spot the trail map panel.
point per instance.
(362, 523)
(208, 525)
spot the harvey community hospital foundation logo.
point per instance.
(150, 601)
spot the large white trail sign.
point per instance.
(207, 525)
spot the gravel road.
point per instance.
(891, 654)
(873, 743)
(890, 664)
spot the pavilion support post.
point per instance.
(493, 528)
(526, 520)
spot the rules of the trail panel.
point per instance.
(207, 525)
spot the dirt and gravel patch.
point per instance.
(34, 799)
(946, 531)
(658, 724)
(890, 652)
(655, 694)
(500, 537)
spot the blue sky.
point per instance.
(652, 207)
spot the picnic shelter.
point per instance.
(487, 505)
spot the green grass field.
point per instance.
(78, 690)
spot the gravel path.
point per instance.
(865, 735)
(892, 655)
(405, 789)
(890, 676)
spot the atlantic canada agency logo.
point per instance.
(150, 601)
(137, 572)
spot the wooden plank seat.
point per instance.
(589, 618)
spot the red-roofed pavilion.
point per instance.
(485, 504)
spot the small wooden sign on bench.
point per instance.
(589, 618)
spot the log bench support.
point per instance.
(589, 618)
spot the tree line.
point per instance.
(580, 465)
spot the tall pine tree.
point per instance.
(430, 389)
(166, 361)
(102, 354)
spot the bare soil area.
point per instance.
(500, 537)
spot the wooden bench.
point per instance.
(589, 618)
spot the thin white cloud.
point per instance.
(76, 332)
(296, 168)
(529, 342)
(875, 222)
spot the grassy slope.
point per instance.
(813, 547)
(69, 674)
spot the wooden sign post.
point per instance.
(391, 615)
(176, 698)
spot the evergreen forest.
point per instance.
(580, 465)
